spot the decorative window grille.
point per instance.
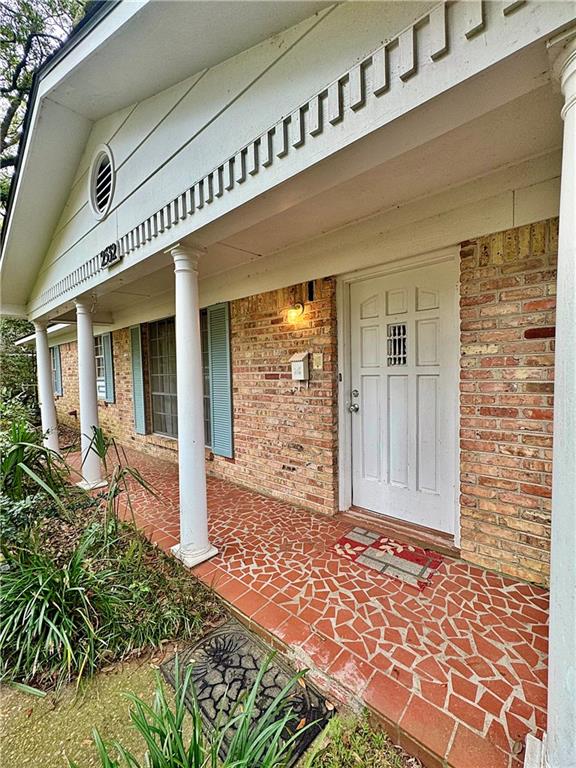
(396, 344)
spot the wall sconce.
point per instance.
(296, 311)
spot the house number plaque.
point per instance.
(109, 256)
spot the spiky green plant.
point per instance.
(26, 466)
(174, 737)
(55, 621)
(119, 475)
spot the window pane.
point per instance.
(206, 376)
(163, 377)
(163, 381)
(100, 369)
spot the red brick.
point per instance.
(507, 368)
(542, 332)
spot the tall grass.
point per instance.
(120, 476)
(174, 736)
(55, 621)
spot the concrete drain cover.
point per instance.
(225, 664)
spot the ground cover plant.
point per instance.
(80, 587)
(354, 743)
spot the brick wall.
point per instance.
(285, 432)
(508, 285)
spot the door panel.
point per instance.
(404, 382)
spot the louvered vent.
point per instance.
(102, 182)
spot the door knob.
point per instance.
(353, 407)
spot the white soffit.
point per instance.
(134, 61)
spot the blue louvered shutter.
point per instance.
(108, 367)
(220, 379)
(137, 380)
(57, 367)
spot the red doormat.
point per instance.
(406, 562)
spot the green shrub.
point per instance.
(55, 622)
(64, 614)
(15, 408)
(27, 466)
(175, 739)
(17, 363)
(353, 743)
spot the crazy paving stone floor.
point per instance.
(457, 670)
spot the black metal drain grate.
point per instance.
(225, 664)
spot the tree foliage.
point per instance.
(17, 364)
(30, 30)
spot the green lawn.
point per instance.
(46, 732)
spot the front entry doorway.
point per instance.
(403, 399)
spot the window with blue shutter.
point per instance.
(56, 371)
(137, 380)
(108, 367)
(220, 379)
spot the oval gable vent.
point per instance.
(102, 179)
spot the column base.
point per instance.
(535, 754)
(86, 485)
(190, 556)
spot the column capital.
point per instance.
(562, 51)
(85, 304)
(186, 257)
(40, 325)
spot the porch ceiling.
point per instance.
(527, 127)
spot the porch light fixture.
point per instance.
(295, 311)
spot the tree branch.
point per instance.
(8, 120)
(8, 162)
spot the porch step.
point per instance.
(398, 529)
(430, 734)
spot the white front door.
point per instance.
(403, 397)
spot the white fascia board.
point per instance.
(95, 36)
(55, 74)
(13, 310)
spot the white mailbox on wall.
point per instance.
(299, 363)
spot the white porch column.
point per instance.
(559, 749)
(45, 388)
(194, 546)
(91, 469)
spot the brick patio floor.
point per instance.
(456, 672)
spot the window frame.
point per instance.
(56, 371)
(99, 356)
(152, 392)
